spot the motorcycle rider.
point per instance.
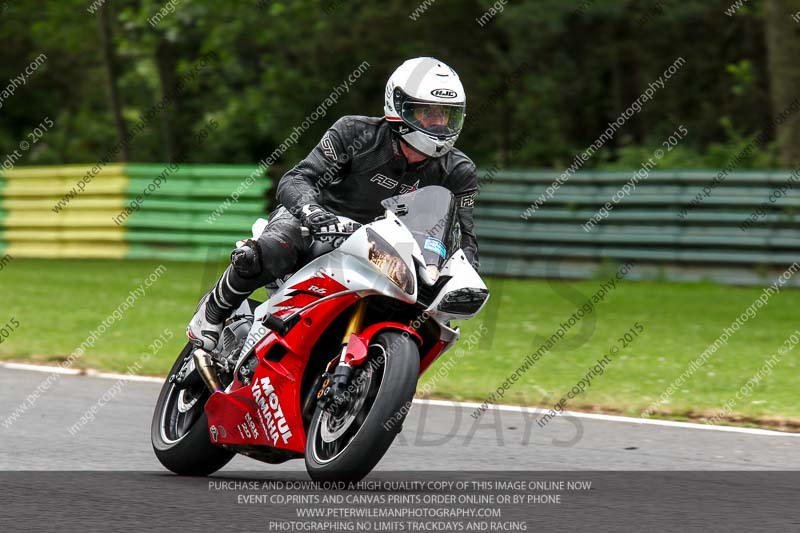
(359, 162)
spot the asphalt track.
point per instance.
(680, 477)
(435, 437)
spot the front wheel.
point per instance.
(347, 445)
(179, 431)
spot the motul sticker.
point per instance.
(270, 409)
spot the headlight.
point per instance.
(466, 301)
(386, 259)
(433, 272)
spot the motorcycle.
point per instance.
(327, 367)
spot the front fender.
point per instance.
(357, 345)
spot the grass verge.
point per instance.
(56, 303)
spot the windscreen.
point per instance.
(430, 214)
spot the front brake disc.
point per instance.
(333, 426)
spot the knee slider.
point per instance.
(279, 253)
(246, 259)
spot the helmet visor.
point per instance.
(441, 120)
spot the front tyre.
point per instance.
(347, 446)
(179, 431)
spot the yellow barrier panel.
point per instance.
(21, 219)
(73, 172)
(107, 203)
(58, 187)
(64, 235)
(73, 250)
(83, 225)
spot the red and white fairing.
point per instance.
(267, 411)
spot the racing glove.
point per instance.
(317, 219)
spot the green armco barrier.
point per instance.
(194, 238)
(145, 219)
(231, 172)
(193, 190)
(138, 210)
(653, 225)
(179, 253)
(198, 212)
(203, 206)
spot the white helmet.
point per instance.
(425, 102)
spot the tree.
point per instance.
(783, 46)
(110, 60)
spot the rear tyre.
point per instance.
(346, 447)
(179, 431)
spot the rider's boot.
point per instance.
(215, 307)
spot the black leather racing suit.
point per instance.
(357, 163)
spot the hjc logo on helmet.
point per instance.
(444, 93)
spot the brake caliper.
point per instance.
(334, 394)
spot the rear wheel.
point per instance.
(347, 445)
(179, 431)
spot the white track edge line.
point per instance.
(439, 403)
(611, 418)
(79, 372)
(40, 368)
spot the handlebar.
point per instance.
(306, 232)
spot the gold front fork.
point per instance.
(341, 372)
(356, 321)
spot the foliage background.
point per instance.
(555, 70)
